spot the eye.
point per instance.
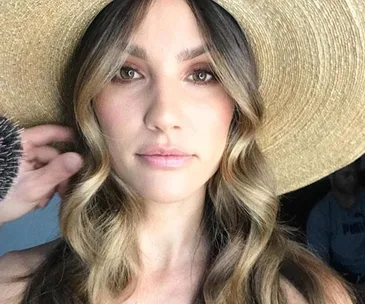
(201, 75)
(127, 74)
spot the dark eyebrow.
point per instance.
(189, 54)
(137, 51)
(184, 55)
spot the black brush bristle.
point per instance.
(10, 154)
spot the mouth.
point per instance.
(165, 161)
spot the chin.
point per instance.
(166, 193)
(165, 197)
(167, 187)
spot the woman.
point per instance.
(175, 202)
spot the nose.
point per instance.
(166, 108)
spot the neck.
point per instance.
(171, 235)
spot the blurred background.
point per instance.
(34, 228)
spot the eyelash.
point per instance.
(196, 70)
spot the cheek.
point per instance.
(220, 114)
(214, 122)
(113, 107)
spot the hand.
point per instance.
(43, 171)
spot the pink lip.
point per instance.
(166, 161)
(158, 156)
(163, 151)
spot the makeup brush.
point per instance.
(10, 154)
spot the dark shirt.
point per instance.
(337, 234)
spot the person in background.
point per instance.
(336, 225)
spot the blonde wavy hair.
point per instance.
(97, 256)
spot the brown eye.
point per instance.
(201, 76)
(127, 73)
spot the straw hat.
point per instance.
(310, 54)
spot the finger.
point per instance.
(60, 169)
(43, 154)
(44, 180)
(45, 134)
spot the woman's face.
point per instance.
(165, 97)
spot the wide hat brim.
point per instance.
(310, 57)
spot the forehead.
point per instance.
(168, 24)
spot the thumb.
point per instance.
(60, 169)
(72, 162)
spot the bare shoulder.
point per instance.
(292, 294)
(18, 263)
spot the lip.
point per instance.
(165, 157)
(166, 161)
(163, 151)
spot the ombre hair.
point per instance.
(97, 258)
